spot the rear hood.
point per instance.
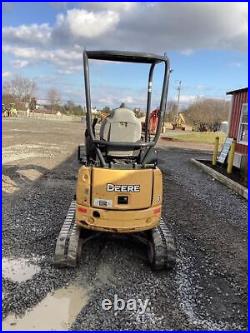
(122, 189)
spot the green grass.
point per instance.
(197, 137)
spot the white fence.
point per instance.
(47, 116)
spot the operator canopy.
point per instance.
(121, 132)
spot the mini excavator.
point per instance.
(119, 189)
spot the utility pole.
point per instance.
(178, 96)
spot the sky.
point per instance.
(206, 44)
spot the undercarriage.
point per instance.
(158, 241)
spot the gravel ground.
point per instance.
(206, 291)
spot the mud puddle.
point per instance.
(18, 270)
(30, 174)
(55, 312)
(9, 185)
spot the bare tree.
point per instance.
(7, 96)
(53, 98)
(171, 111)
(207, 114)
(21, 88)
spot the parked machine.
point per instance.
(179, 122)
(119, 186)
(153, 121)
(32, 104)
(9, 110)
(4, 112)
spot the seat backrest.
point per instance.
(121, 126)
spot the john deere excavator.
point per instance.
(119, 186)
(179, 122)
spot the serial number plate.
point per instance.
(103, 203)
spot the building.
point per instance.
(238, 125)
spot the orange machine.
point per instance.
(153, 121)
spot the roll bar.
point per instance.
(132, 57)
(147, 58)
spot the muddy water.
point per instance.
(9, 185)
(18, 270)
(30, 174)
(56, 312)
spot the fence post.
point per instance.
(215, 152)
(231, 157)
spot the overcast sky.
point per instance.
(206, 44)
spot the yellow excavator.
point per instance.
(179, 122)
(119, 186)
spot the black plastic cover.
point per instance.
(126, 56)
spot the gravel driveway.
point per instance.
(206, 291)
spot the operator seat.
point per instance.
(121, 126)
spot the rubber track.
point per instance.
(67, 245)
(164, 247)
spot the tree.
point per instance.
(171, 111)
(19, 89)
(7, 97)
(71, 108)
(106, 109)
(54, 98)
(207, 114)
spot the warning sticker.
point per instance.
(103, 203)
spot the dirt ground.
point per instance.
(206, 291)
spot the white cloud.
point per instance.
(129, 26)
(187, 52)
(200, 87)
(114, 96)
(20, 63)
(187, 99)
(184, 27)
(28, 34)
(152, 27)
(6, 74)
(180, 26)
(114, 6)
(111, 99)
(82, 23)
(95, 6)
(236, 64)
(59, 57)
(64, 71)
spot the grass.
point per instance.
(197, 137)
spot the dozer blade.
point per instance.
(68, 244)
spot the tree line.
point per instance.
(22, 92)
(204, 114)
